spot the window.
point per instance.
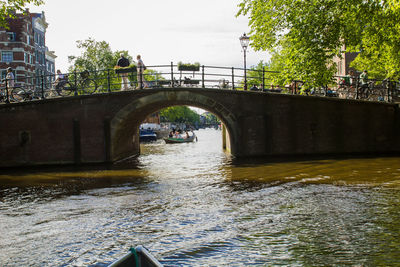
(6, 56)
(11, 36)
(28, 58)
(3, 74)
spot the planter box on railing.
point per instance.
(125, 70)
(191, 82)
(189, 67)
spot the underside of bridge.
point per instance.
(124, 126)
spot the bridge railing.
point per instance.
(172, 75)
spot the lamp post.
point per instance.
(244, 41)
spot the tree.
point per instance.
(8, 9)
(98, 58)
(95, 56)
(272, 74)
(309, 34)
(210, 118)
(380, 45)
(180, 114)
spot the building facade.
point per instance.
(23, 48)
(343, 63)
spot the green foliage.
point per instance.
(95, 56)
(189, 66)
(8, 8)
(210, 118)
(307, 35)
(272, 75)
(98, 58)
(380, 46)
(179, 114)
(152, 75)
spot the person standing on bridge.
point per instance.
(123, 62)
(364, 83)
(140, 69)
(10, 80)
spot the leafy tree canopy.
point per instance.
(210, 118)
(8, 8)
(307, 35)
(95, 55)
(99, 59)
(180, 114)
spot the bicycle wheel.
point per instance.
(88, 86)
(65, 90)
(49, 93)
(351, 93)
(377, 95)
(18, 95)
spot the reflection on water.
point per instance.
(191, 204)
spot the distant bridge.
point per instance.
(104, 127)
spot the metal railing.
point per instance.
(174, 76)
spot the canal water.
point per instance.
(192, 205)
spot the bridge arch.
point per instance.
(125, 124)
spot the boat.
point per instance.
(137, 257)
(147, 135)
(161, 130)
(174, 140)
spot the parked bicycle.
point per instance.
(13, 94)
(373, 92)
(84, 84)
(347, 88)
(28, 93)
(3, 94)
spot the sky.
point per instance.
(161, 31)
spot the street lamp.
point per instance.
(244, 41)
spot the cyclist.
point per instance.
(60, 81)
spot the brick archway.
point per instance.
(124, 125)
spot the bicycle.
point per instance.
(84, 84)
(28, 93)
(346, 90)
(371, 92)
(14, 94)
(3, 94)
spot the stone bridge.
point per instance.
(105, 127)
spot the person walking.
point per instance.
(140, 69)
(10, 80)
(364, 84)
(123, 62)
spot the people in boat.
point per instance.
(178, 134)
